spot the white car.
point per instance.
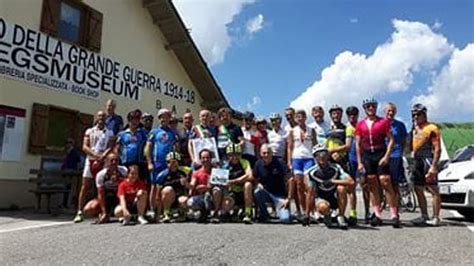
(456, 183)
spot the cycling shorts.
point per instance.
(300, 165)
(397, 172)
(371, 163)
(422, 165)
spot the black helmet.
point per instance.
(249, 116)
(418, 108)
(352, 110)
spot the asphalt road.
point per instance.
(239, 244)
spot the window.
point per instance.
(69, 23)
(72, 21)
(51, 126)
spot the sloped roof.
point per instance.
(166, 17)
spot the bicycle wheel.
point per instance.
(408, 201)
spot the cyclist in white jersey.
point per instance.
(301, 140)
(277, 137)
(320, 126)
(98, 142)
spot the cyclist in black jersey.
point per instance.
(329, 183)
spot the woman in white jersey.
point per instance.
(301, 140)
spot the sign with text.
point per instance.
(42, 60)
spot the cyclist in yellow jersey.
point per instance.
(426, 149)
(338, 141)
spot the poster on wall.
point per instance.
(12, 125)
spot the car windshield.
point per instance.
(464, 155)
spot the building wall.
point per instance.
(129, 37)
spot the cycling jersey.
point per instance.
(173, 179)
(424, 138)
(399, 133)
(130, 190)
(114, 123)
(336, 137)
(277, 141)
(321, 130)
(319, 178)
(302, 143)
(201, 176)
(99, 139)
(131, 146)
(109, 182)
(163, 140)
(350, 133)
(249, 136)
(236, 171)
(373, 133)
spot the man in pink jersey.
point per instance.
(373, 156)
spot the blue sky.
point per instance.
(269, 54)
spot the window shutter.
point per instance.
(94, 30)
(85, 122)
(39, 128)
(50, 17)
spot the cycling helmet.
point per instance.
(162, 112)
(147, 116)
(260, 119)
(173, 156)
(233, 149)
(352, 110)
(370, 100)
(335, 107)
(249, 116)
(418, 108)
(319, 148)
(274, 116)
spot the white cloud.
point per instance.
(354, 20)
(209, 21)
(254, 103)
(255, 24)
(452, 92)
(412, 47)
(437, 25)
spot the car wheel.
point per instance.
(468, 213)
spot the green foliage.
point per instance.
(456, 136)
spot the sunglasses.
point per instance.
(417, 114)
(369, 105)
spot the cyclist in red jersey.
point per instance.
(373, 156)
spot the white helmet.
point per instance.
(319, 148)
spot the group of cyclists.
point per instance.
(146, 174)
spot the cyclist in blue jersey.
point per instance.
(161, 141)
(399, 131)
(131, 143)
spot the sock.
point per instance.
(353, 213)
(377, 211)
(167, 211)
(248, 211)
(394, 212)
(79, 212)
